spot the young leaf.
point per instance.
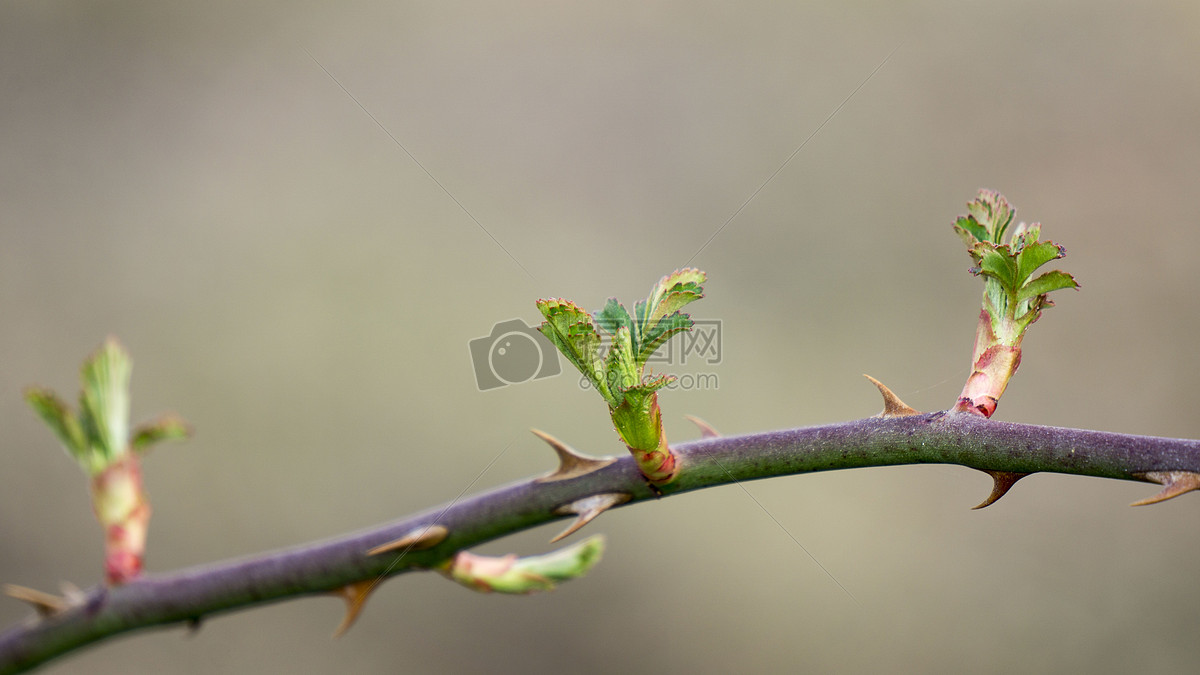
(660, 332)
(996, 262)
(1035, 254)
(54, 411)
(970, 231)
(1050, 281)
(1025, 234)
(658, 318)
(653, 384)
(620, 370)
(571, 330)
(613, 316)
(674, 291)
(992, 211)
(104, 402)
(165, 428)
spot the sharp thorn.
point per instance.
(587, 509)
(1002, 482)
(706, 429)
(355, 595)
(1174, 484)
(71, 593)
(417, 540)
(571, 464)
(45, 604)
(892, 405)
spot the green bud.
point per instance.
(510, 574)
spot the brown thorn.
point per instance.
(892, 405)
(587, 509)
(355, 595)
(418, 539)
(706, 429)
(45, 604)
(1002, 482)
(71, 593)
(1175, 483)
(571, 464)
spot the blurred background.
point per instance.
(303, 288)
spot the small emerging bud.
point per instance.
(510, 574)
(98, 437)
(619, 376)
(1013, 298)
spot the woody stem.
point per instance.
(949, 438)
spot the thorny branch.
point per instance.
(350, 566)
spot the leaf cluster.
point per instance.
(99, 433)
(1013, 296)
(633, 337)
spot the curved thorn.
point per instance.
(418, 539)
(587, 509)
(892, 405)
(355, 595)
(1174, 484)
(571, 464)
(1002, 482)
(706, 429)
(45, 604)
